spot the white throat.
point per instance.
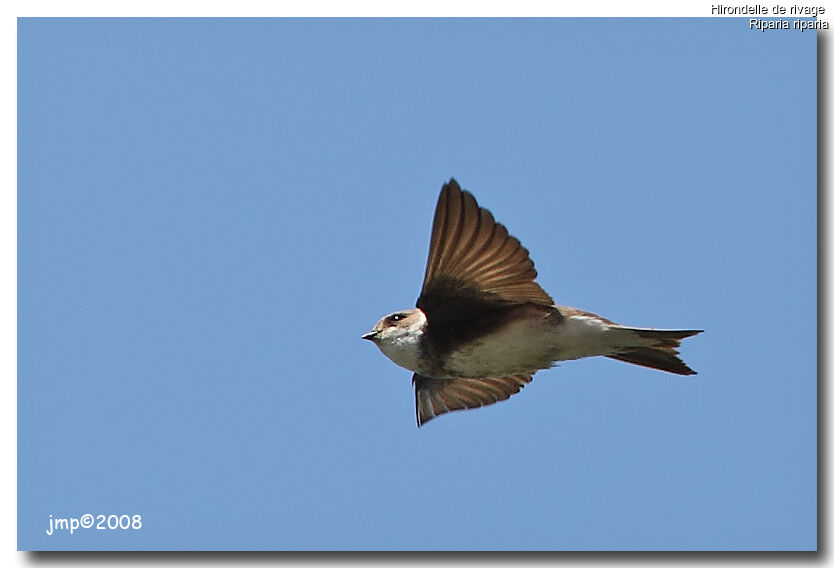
(403, 349)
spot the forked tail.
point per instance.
(662, 354)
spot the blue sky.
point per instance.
(211, 213)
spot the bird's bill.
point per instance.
(371, 335)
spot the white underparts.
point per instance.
(529, 345)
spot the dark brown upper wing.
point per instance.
(437, 396)
(473, 260)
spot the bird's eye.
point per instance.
(397, 317)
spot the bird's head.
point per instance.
(398, 336)
(397, 326)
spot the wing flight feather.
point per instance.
(434, 397)
(470, 253)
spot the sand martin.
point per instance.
(483, 326)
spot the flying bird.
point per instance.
(483, 326)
